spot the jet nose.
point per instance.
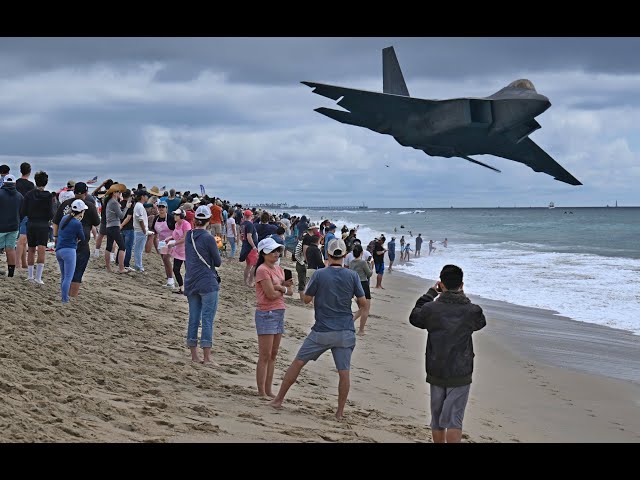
(540, 104)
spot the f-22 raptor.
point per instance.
(499, 124)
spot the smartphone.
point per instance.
(287, 274)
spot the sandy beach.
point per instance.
(113, 367)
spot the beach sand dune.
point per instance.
(113, 367)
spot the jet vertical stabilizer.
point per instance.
(392, 79)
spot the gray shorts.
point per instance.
(341, 344)
(270, 322)
(447, 406)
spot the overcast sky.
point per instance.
(231, 113)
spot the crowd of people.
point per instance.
(195, 231)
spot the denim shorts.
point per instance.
(23, 225)
(379, 268)
(270, 322)
(341, 344)
(9, 239)
(447, 406)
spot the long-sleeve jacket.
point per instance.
(38, 206)
(450, 321)
(10, 201)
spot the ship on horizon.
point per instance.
(551, 205)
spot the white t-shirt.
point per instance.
(139, 213)
(365, 256)
(230, 224)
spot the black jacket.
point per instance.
(38, 206)
(450, 321)
(10, 201)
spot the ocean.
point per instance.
(583, 263)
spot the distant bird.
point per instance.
(387, 166)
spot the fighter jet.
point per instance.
(499, 124)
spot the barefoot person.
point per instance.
(361, 267)
(201, 284)
(249, 249)
(114, 216)
(271, 287)
(450, 321)
(333, 288)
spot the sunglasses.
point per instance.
(278, 251)
(162, 206)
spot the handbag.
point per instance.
(215, 272)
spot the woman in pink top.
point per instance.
(163, 232)
(176, 245)
(271, 288)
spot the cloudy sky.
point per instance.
(231, 113)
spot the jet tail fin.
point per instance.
(392, 79)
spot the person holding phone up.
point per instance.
(271, 287)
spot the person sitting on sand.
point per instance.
(201, 284)
(333, 288)
(271, 287)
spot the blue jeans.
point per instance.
(201, 306)
(128, 245)
(232, 242)
(139, 239)
(67, 261)
(82, 259)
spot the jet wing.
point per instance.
(364, 101)
(530, 154)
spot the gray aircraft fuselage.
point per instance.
(499, 124)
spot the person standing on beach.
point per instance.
(90, 219)
(201, 284)
(378, 261)
(176, 243)
(361, 267)
(24, 186)
(140, 228)
(10, 202)
(450, 319)
(38, 206)
(391, 252)
(333, 288)
(418, 245)
(401, 246)
(271, 287)
(70, 232)
(249, 249)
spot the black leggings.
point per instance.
(177, 265)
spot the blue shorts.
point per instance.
(9, 239)
(23, 226)
(392, 256)
(379, 268)
(447, 406)
(341, 344)
(270, 322)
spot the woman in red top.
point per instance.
(271, 288)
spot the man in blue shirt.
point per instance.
(331, 234)
(333, 288)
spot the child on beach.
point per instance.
(450, 319)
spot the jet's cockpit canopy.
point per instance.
(524, 84)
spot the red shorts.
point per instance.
(252, 258)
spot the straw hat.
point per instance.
(116, 187)
(155, 191)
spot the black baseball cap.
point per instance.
(80, 188)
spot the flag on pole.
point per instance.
(92, 181)
(164, 187)
(202, 191)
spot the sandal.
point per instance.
(178, 292)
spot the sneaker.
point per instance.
(113, 258)
(39, 282)
(130, 269)
(170, 285)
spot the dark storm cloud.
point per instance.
(231, 113)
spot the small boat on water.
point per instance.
(551, 205)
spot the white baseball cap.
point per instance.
(268, 245)
(78, 206)
(9, 178)
(203, 212)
